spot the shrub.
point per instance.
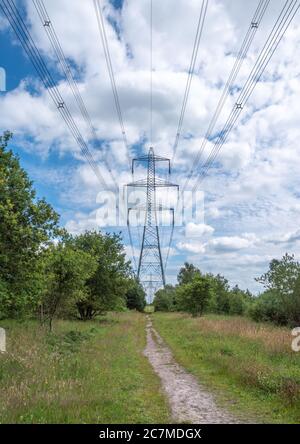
(165, 299)
(219, 302)
(239, 301)
(135, 297)
(193, 297)
(268, 307)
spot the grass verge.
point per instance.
(250, 367)
(91, 372)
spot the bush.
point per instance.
(239, 301)
(135, 297)
(280, 303)
(219, 301)
(165, 299)
(268, 307)
(237, 304)
(5, 299)
(193, 297)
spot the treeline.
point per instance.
(45, 271)
(197, 293)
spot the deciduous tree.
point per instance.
(66, 273)
(194, 297)
(26, 225)
(111, 279)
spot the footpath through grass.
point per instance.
(91, 372)
(249, 366)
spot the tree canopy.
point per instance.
(187, 273)
(48, 272)
(27, 224)
(111, 279)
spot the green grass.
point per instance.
(250, 367)
(91, 372)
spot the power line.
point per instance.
(17, 23)
(104, 40)
(199, 31)
(278, 31)
(241, 57)
(284, 20)
(101, 27)
(57, 48)
(131, 241)
(49, 28)
(250, 34)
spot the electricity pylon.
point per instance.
(150, 266)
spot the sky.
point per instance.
(249, 203)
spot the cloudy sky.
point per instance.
(249, 203)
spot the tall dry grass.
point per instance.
(275, 339)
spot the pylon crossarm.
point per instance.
(158, 183)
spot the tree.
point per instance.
(239, 301)
(26, 223)
(111, 279)
(165, 299)
(281, 302)
(187, 273)
(66, 272)
(282, 275)
(194, 296)
(135, 296)
(220, 294)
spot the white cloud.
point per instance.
(81, 223)
(197, 230)
(192, 247)
(284, 238)
(230, 243)
(255, 187)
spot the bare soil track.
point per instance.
(189, 401)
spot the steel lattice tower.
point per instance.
(150, 266)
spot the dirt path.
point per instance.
(189, 401)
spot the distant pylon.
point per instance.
(151, 271)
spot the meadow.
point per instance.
(95, 371)
(249, 366)
(83, 372)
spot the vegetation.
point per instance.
(26, 224)
(250, 366)
(165, 299)
(84, 372)
(187, 273)
(108, 285)
(193, 297)
(197, 293)
(47, 273)
(44, 271)
(280, 303)
(135, 296)
(66, 273)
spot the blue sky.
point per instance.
(251, 195)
